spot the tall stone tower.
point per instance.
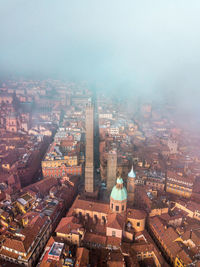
(89, 166)
(111, 169)
(131, 186)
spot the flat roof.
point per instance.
(22, 201)
(27, 197)
(56, 249)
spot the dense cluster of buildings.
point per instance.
(20, 157)
(58, 162)
(87, 180)
(165, 182)
(28, 220)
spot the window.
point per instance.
(117, 208)
(138, 224)
(113, 233)
(122, 207)
(112, 205)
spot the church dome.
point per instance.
(131, 174)
(119, 192)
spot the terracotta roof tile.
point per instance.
(82, 257)
(113, 241)
(15, 244)
(67, 224)
(29, 234)
(167, 235)
(90, 205)
(94, 238)
(115, 221)
(184, 257)
(136, 214)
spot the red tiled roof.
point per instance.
(194, 236)
(167, 235)
(15, 244)
(136, 214)
(9, 254)
(43, 186)
(90, 205)
(94, 238)
(179, 178)
(66, 225)
(30, 234)
(31, 216)
(184, 257)
(82, 257)
(113, 241)
(115, 221)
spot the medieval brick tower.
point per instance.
(111, 169)
(89, 166)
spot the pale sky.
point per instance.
(143, 46)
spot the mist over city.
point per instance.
(143, 46)
(99, 133)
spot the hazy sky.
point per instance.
(144, 45)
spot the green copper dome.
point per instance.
(118, 193)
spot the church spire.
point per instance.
(131, 174)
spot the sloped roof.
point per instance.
(29, 233)
(168, 235)
(95, 238)
(116, 221)
(82, 256)
(67, 224)
(90, 205)
(43, 186)
(136, 214)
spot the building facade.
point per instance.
(179, 185)
(105, 224)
